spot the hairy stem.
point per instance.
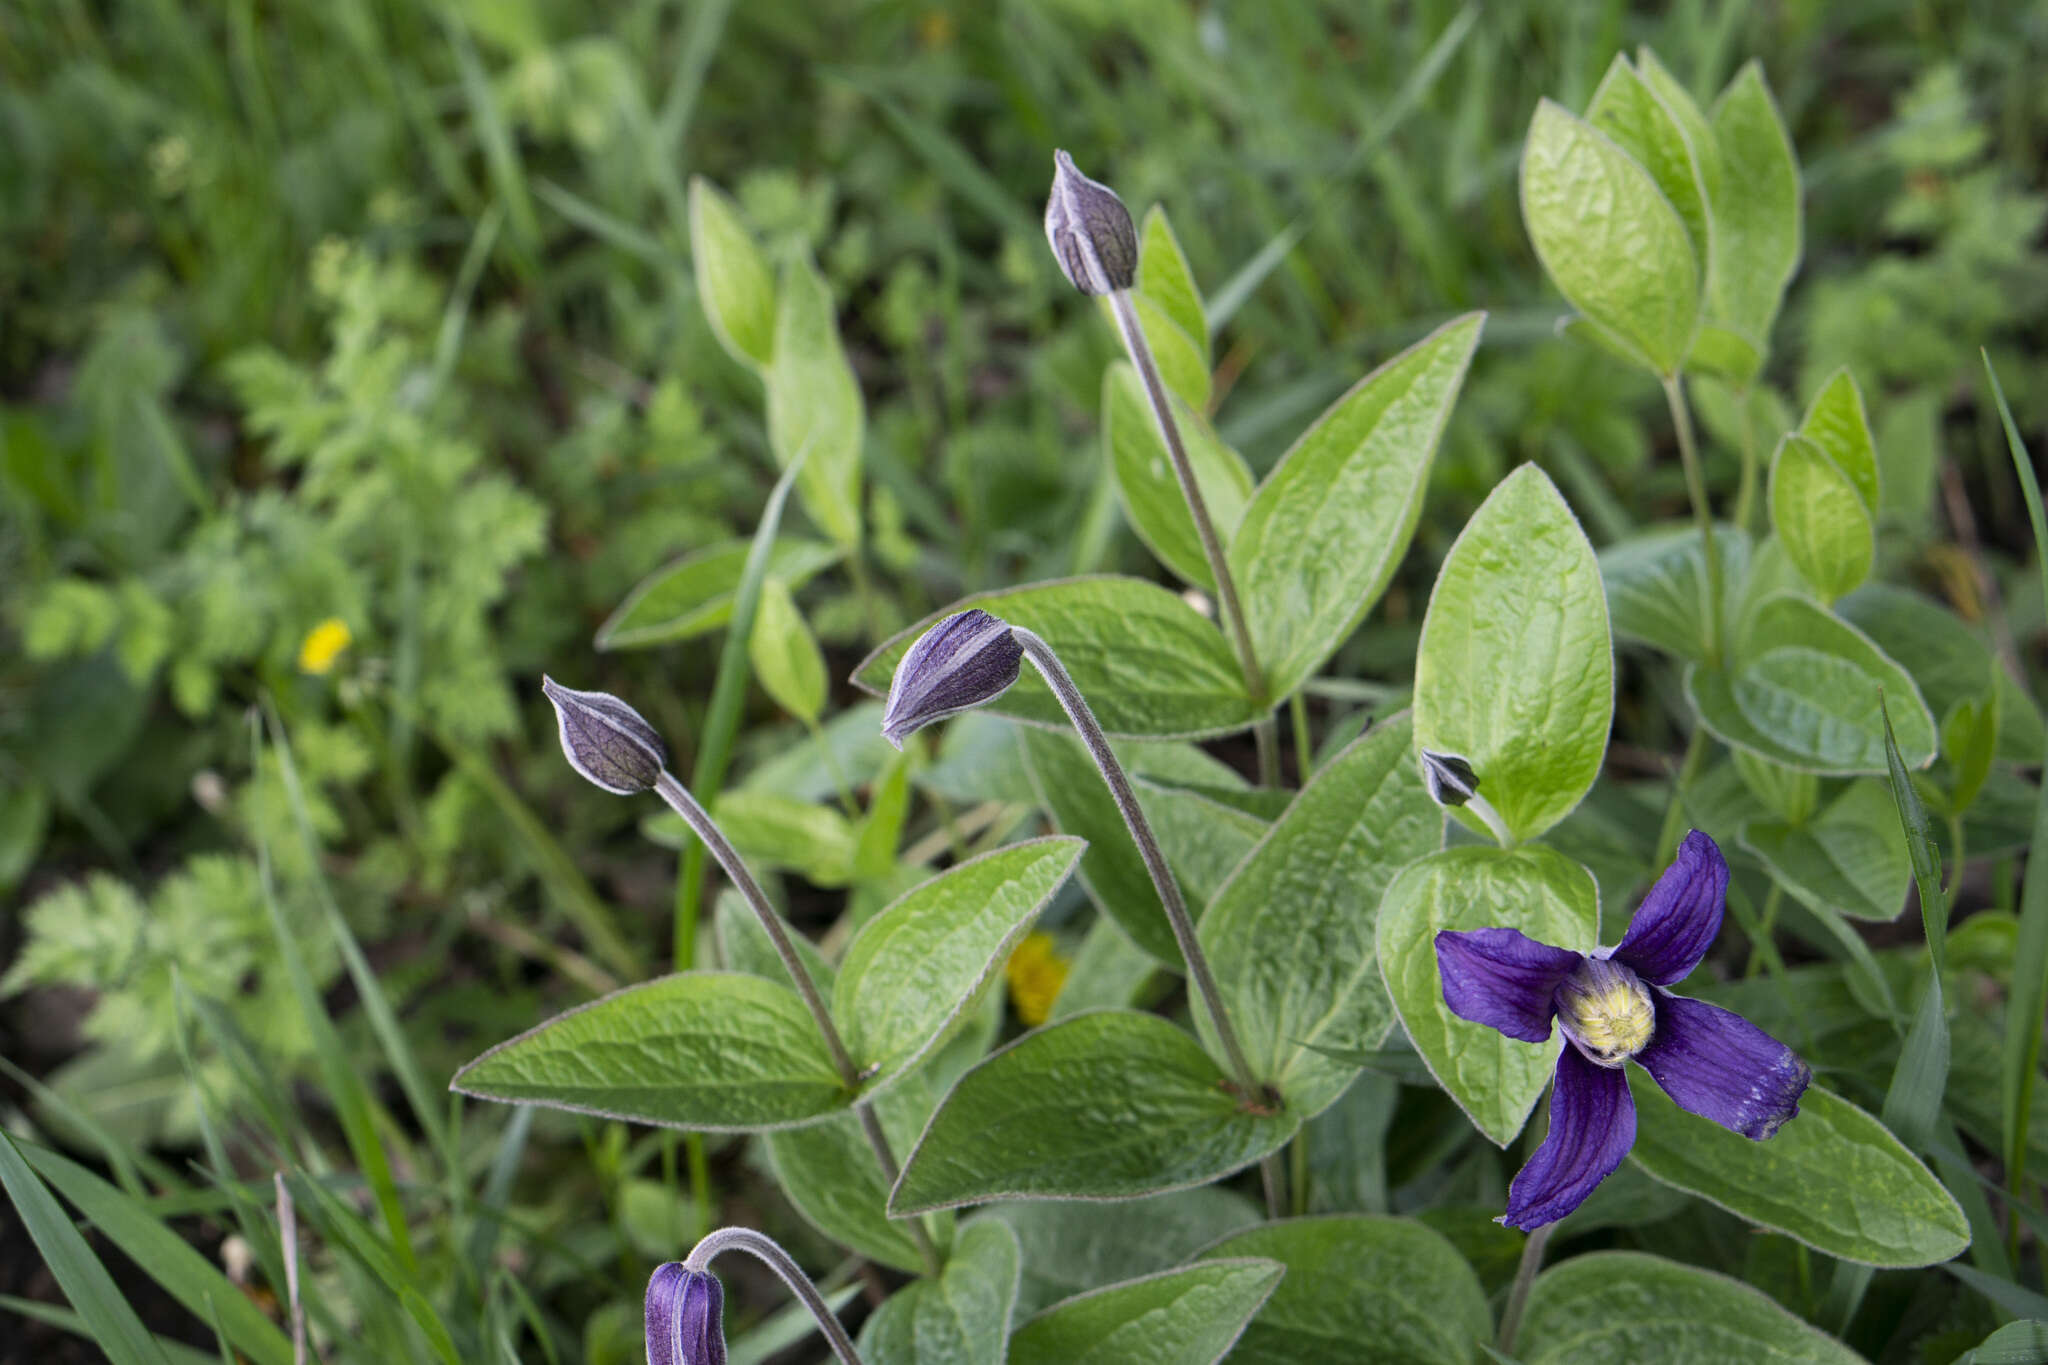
(1702, 514)
(767, 1251)
(1518, 1292)
(1177, 917)
(682, 803)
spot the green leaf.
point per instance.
(1356, 1280)
(1623, 1307)
(829, 1172)
(1292, 935)
(1656, 585)
(1069, 1247)
(1145, 479)
(1848, 859)
(1150, 665)
(960, 1318)
(1837, 424)
(1108, 972)
(1791, 795)
(1109, 1105)
(1327, 528)
(2016, 1343)
(1165, 279)
(1756, 211)
(1609, 239)
(733, 282)
(78, 1272)
(1176, 1317)
(714, 1051)
(787, 661)
(1515, 669)
(911, 969)
(772, 831)
(1949, 660)
(1969, 743)
(694, 595)
(1182, 360)
(1494, 1079)
(1195, 833)
(1821, 518)
(814, 405)
(1806, 694)
(1912, 1102)
(1627, 109)
(1833, 1178)
(165, 1256)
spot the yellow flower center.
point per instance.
(1606, 1009)
(323, 645)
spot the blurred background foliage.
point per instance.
(381, 314)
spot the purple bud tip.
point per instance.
(606, 740)
(1090, 231)
(960, 663)
(685, 1317)
(1450, 779)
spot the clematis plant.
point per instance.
(1614, 1006)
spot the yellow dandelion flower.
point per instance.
(1035, 971)
(323, 645)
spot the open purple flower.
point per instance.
(1613, 1006)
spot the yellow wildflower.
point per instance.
(323, 645)
(1035, 971)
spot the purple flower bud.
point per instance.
(685, 1317)
(1090, 231)
(606, 740)
(960, 663)
(1450, 779)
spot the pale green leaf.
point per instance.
(814, 404)
(1848, 859)
(1329, 525)
(694, 595)
(733, 281)
(787, 661)
(1515, 669)
(1629, 110)
(1145, 479)
(712, 1051)
(1837, 424)
(772, 831)
(1189, 1316)
(1494, 1079)
(1070, 1247)
(830, 1174)
(1950, 661)
(1656, 585)
(960, 1318)
(1821, 518)
(1165, 278)
(1756, 212)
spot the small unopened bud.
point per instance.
(606, 740)
(960, 663)
(1090, 231)
(1450, 779)
(685, 1317)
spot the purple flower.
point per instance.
(1613, 1006)
(606, 740)
(1090, 231)
(965, 660)
(685, 1317)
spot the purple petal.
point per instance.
(1680, 917)
(1502, 978)
(685, 1317)
(965, 660)
(1592, 1126)
(1717, 1064)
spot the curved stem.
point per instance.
(1745, 491)
(682, 803)
(765, 1250)
(1184, 473)
(1177, 917)
(1674, 809)
(1702, 514)
(1518, 1293)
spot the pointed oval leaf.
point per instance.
(1547, 896)
(1150, 665)
(814, 404)
(1623, 1307)
(733, 281)
(1327, 528)
(1656, 585)
(694, 595)
(1847, 859)
(912, 968)
(713, 1051)
(1361, 1287)
(1833, 1177)
(828, 1170)
(1069, 1247)
(1627, 109)
(1292, 935)
(1189, 1316)
(1756, 212)
(960, 1318)
(1820, 518)
(1609, 239)
(1108, 1105)
(785, 655)
(1145, 479)
(1165, 277)
(1838, 425)
(1182, 360)
(1515, 669)
(1949, 660)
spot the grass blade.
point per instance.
(65, 1320)
(1912, 1102)
(80, 1275)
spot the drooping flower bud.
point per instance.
(606, 740)
(1090, 230)
(960, 663)
(685, 1317)
(1450, 779)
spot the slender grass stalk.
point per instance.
(766, 1250)
(1674, 809)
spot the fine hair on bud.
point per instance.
(606, 740)
(685, 1316)
(1450, 779)
(964, 661)
(1091, 232)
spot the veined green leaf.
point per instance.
(1756, 214)
(1837, 424)
(1847, 859)
(787, 661)
(1629, 110)
(1949, 660)
(1165, 278)
(814, 404)
(1189, 1316)
(962, 1317)
(733, 281)
(1821, 518)
(1069, 1247)
(694, 595)
(830, 1174)
(1152, 499)
(1656, 585)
